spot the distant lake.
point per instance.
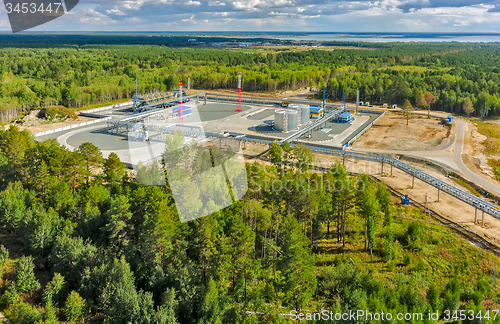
(385, 38)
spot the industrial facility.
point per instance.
(286, 120)
(152, 117)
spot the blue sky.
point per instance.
(278, 15)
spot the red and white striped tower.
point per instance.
(238, 104)
(181, 111)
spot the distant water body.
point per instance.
(386, 38)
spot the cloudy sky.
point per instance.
(278, 15)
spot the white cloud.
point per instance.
(216, 3)
(90, 16)
(284, 15)
(117, 12)
(135, 20)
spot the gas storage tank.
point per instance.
(304, 114)
(285, 120)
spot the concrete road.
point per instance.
(449, 156)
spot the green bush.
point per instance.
(407, 259)
(413, 236)
(421, 266)
(433, 296)
(59, 112)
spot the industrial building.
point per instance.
(316, 112)
(286, 120)
(346, 117)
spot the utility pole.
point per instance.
(323, 99)
(357, 101)
(426, 208)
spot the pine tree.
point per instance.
(369, 208)
(74, 307)
(297, 265)
(92, 157)
(25, 280)
(468, 107)
(119, 225)
(51, 291)
(4, 257)
(384, 199)
(114, 169)
(41, 178)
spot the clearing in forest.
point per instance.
(391, 132)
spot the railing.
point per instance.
(89, 111)
(61, 129)
(439, 184)
(264, 100)
(310, 127)
(361, 132)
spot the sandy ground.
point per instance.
(448, 206)
(391, 132)
(46, 127)
(473, 155)
(34, 124)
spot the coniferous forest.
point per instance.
(83, 241)
(79, 70)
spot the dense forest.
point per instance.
(82, 240)
(76, 72)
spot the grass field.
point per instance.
(423, 254)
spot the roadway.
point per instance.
(449, 156)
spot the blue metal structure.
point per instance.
(344, 99)
(324, 98)
(346, 117)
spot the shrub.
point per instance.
(407, 259)
(433, 296)
(413, 236)
(421, 266)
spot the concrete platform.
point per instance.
(214, 117)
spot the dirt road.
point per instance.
(450, 154)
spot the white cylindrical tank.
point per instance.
(286, 120)
(304, 112)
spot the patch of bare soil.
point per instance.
(473, 154)
(391, 132)
(447, 206)
(35, 122)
